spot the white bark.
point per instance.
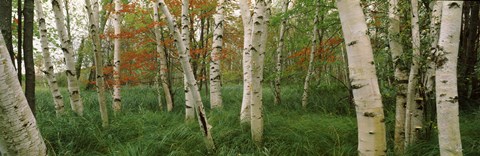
(67, 48)
(215, 86)
(279, 51)
(92, 9)
(192, 83)
(312, 56)
(401, 76)
(19, 134)
(257, 50)
(414, 109)
(163, 60)
(48, 66)
(117, 104)
(189, 106)
(434, 29)
(247, 59)
(446, 79)
(366, 92)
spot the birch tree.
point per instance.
(188, 72)
(67, 48)
(92, 11)
(117, 102)
(279, 51)
(446, 79)
(215, 84)
(400, 74)
(434, 29)
(312, 55)
(247, 59)
(163, 60)
(47, 62)
(414, 108)
(257, 50)
(19, 134)
(189, 106)
(367, 98)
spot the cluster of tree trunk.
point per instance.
(451, 22)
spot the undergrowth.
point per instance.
(326, 127)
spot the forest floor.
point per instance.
(326, 127)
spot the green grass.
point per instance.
(326, 127)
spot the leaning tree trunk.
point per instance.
(28, 54)
(189, 106)
(92, 10)
(401, 76)
(48, 66)
(446, 79)
(163, 60)
(187, 70)
(280, 46)
(67, 48)
(312, 56)
(19, 134)
(247, 59)
(215, 86)
(363, 77)
(257, 50)
(414, 110)
(117, 102)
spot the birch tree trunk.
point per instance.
(163, 60)
(446, 79)
(192, 83)
(92, 9)
(215, 86)
(312, 55)
(189, 106)
(48, 66)
(117, 102)
(19, 134)
(414, 110)
(367, 98)
(279, 51)
(67, 48)
(247, 59)
(400, 74)
(434, 29)
(257, 50)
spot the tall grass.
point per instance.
(326, 127)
